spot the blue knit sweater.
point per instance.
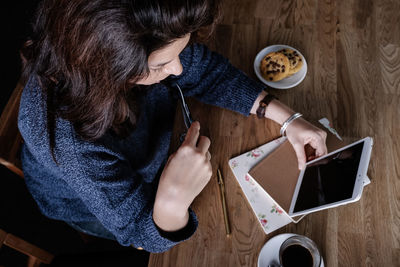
(114, 180)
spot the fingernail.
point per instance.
(195, 124)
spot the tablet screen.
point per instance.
(330, 179)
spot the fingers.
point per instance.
(204, 144)
(193, 134)
(303, 151)
(301, 133)
(320, 146)
(192, 139)
(208, 156)
(310, 152)
(301, 155)
(321, 150)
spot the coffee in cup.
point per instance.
(299, 251)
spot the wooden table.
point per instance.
(353, 54)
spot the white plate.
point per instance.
(288, 82)
(269, 254)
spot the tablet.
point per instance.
(332, 180)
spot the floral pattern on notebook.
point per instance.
(276, 209)
(263, 221)
(269, 214)
(255, 153)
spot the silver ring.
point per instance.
(208, 155)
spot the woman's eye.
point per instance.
(157, 69)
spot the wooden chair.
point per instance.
(10, 138)
(36, 255)
(10, 144)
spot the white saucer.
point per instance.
(269, 254)
(288, 82)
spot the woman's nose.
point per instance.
(174, 67)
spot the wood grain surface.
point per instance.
(353, 54)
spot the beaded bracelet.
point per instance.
(263, 105)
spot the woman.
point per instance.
(97, 122)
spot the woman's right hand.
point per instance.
(185, 175)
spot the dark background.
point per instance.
(19, 214)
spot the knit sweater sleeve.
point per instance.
(117, 196)
(210, 78)
(97, 173)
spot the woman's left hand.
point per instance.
(301, 133)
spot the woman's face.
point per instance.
(165, 61)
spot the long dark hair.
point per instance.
(86, 53)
